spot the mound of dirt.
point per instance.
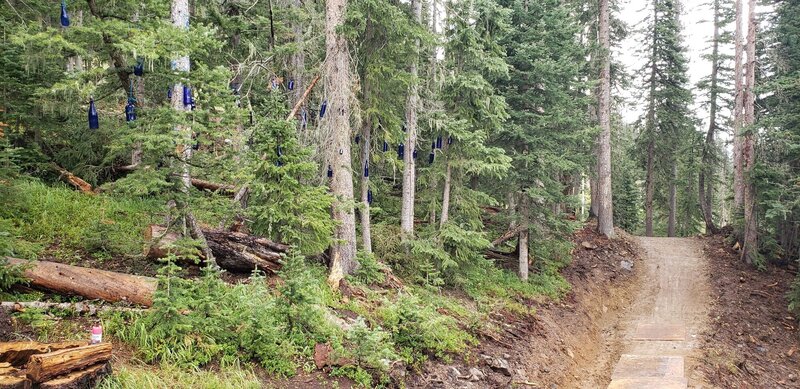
(752, 340)
(562, 343)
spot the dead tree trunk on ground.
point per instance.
(87, 282)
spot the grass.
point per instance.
(38, 217)
(148, 377)
(207, 322)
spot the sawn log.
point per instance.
(43, 367)
(233, 251)
(90, 283)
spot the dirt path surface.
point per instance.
(660, 331)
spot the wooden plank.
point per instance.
(43, 367)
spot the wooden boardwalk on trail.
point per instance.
(662, 326)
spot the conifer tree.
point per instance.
(605, 212)
(667, 122)
(547, 133)
(337, 123)
(748, 154)
(717, 87)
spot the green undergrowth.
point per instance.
(196, 326)
(36, 217)
(147, 377)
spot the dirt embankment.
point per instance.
(565, 344)
(752, 341)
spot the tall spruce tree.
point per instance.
(718, 92)
(547, 134)
(667, 121)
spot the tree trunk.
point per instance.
(747, 160)
(523, 237)
(298, 57)
(650, 128)
(673, 200)
(75, 62)
(43, 367)
(605, 212)
(706, 175)
(179, 13)
(88, 282)
(649, 190)
(366, 224)
(86, 378)
(409, 169)
(446, 196)
(738, 178)
(337, 85)
(234, 251)
(18, 353)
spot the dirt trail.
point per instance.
(660, 330)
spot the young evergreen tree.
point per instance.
(547, 135)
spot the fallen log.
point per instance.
(302, 99)
(82, 379)
(508, 235)
(90, 283)
(73, 180)
(43, 367)
(78, 308)
(18, 353)
(233, 251)
(7, 369)
(226, 189)
(9, 382)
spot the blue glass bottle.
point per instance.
(94, 120)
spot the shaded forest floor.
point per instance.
(752, 340)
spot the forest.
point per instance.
(266, 193)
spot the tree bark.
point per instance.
(446, 196)
(747, 160)
(605, 212)
(650, 128)
(179, 14)
(409, 167)
(337, 84)
(366, 224)
(88, 282)
(43, 367)
(738, 178)
(298, 56)
(86, 378)
(234, 251)
(523, 237)
(673, 200)
(649, 190)
(18, 353)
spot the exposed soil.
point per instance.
(752, 340)
(565, 344)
